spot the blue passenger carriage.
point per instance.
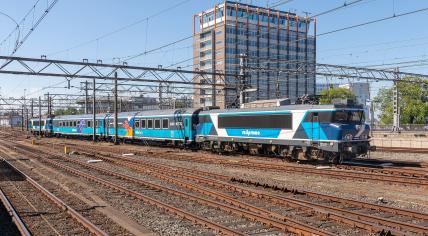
(41, 126)
(167, 126)
(170, 126)
(78, 125)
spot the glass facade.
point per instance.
(279, 52)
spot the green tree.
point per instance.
(413, 105)
(68, 111)
(329, 94)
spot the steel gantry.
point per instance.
(178, 81)
(88, 70)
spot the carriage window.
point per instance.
(75, 123)
(149, 124)
(43, 123)
(157, 124)
(143, 124)
(89, 124)
(97, 123)
(165, 124)
(137, 124)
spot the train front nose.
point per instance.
(355, 139)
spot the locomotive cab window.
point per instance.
(269, 121)
(336, 116)
(165, 124)
(149, 124)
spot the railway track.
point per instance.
(39, 209)
(402, 150)
(11, 224)
(364, 221)
(323, 209)
(254, 220)
(392, 176)
(421, 173)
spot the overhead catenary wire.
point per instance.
(120, 29)
(374, 21)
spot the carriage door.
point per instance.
(187, 128)
(107, 126)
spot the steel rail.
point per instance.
(227, 178)
(73, 213)
(402, 149)
(405, 177)
(241, 209)
(360, 220)
(220, 196)
(303, 169)
(390, 170)
(149, 200)
(20, 225)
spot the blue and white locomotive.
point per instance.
(297, 132)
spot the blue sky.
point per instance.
(73, 22)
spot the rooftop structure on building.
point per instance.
(275, 43)
(361, 90)
(105, 104)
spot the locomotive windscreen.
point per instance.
(271, 121)
(335, 116)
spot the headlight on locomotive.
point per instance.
(348, 137)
